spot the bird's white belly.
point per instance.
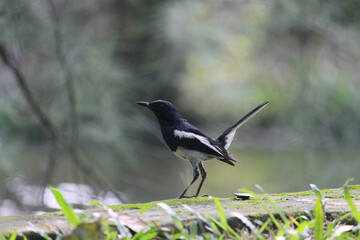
(192, 155)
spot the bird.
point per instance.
(190, 143)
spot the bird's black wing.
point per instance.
(190, 137)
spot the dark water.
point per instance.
(273, 171)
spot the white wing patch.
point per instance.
(202, 139)
(230, 136)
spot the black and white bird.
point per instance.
(190, 143)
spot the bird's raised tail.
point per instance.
(228, 135)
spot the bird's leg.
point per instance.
(203, 176)
(195, 176)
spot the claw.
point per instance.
(183, 196)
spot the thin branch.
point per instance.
(69, 85)
(34, 106)
(69, 79)
(73, 113)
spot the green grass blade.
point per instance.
(123, 230)
(256, 196)
(95, 203)
(193, 230)
(273, 204)
(178, 224)
(319, 219)
(13, 235)
(178, 236)
(281, 213)
(145, 235)
(221, 211)
(303, 226)
(215, 228)
(350, 202)
(272, 217)
(225, 226)
(265, 226)
(331, 226)
(146, 207)
(67, 210)
(222, 237)
(316, 190)
(218, 224)
(223, 218)
(198, 215)
(106, 226)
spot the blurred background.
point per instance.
(71, 72)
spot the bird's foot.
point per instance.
(194, 196)
(183, 196)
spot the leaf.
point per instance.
(13, 235)
(213, 227)
(224, 226)
(281, 213)
(89, 230)
(193, 229)
(95, 203)
(198, 215)
(146, 207)
(265, 226)
(315, 190)
(319, 219)
(221, 211)
(340, 230)
(65, 208)
(272, 217)
(223, 218)
(178, 235)
(178, 224)
(105, 226)
(303, 228)
(350, 202)
(330, 226)
(308, 213)
(217, 223)
(145, 235)
(123, 230)
(256, 196)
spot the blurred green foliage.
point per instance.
(215, 60)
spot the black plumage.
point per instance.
(190, 143)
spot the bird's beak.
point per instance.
(145, 104)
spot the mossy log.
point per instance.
(131, 216)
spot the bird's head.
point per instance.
(164, 110)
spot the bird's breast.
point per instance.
(192, 155)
